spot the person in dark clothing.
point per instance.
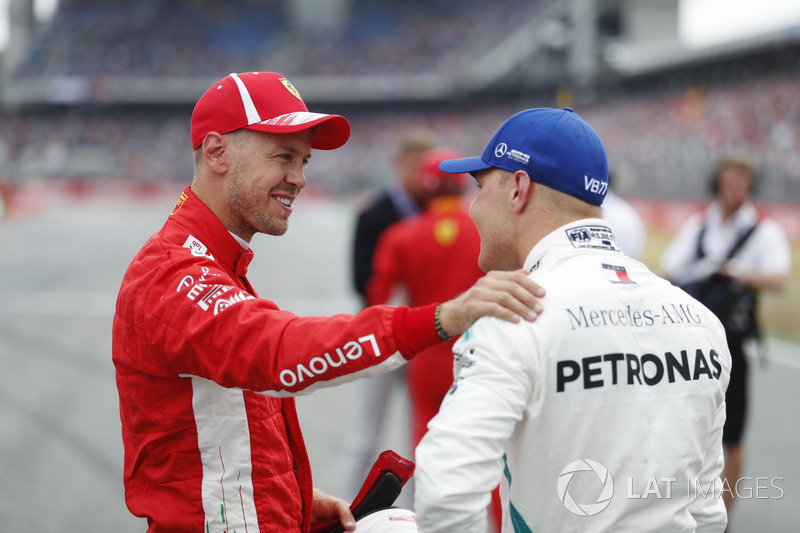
(397, 202)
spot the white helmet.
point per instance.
(389, 520)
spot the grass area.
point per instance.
(780, 313)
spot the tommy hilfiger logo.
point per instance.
(622, 274)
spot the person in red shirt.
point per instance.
(206, 370)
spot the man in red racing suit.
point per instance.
(205, 368)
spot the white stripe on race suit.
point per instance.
(293, 119)
(222, 435)
(249, 106)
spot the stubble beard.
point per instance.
(249, 214)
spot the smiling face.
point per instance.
(265, 178)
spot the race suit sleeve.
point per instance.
(196, 320)
(460, 459)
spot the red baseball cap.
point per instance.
(267, 102)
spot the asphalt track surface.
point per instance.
(60, 445)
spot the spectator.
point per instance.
(725, 256)
(397, 202)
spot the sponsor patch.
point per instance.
(665, 314)
(519, 157)
(621, 272)
(462, 359)
(197, 248)
(595, 237)
(625, 368)
(320, 364)
(213, 297)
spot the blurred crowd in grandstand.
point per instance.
(196, 38)
(660, 142)
(657, 144)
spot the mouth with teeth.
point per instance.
(285, 201)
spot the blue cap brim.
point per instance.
(470, 165)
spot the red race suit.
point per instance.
(206, 369)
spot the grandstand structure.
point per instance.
(351, 51)
(104, 90)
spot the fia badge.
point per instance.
(594, 237)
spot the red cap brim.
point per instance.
(328, 131)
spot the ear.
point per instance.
(215, 152)
(520, 190)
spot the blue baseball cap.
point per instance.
(556, 147)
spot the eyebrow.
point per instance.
(293, 150)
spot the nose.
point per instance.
(296, 177)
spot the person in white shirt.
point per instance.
(607, 413)
(726, 255)
(626, 223)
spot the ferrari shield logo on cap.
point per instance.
(289, 87)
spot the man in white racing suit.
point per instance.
(606, 414)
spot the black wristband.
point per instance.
(438, 323)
